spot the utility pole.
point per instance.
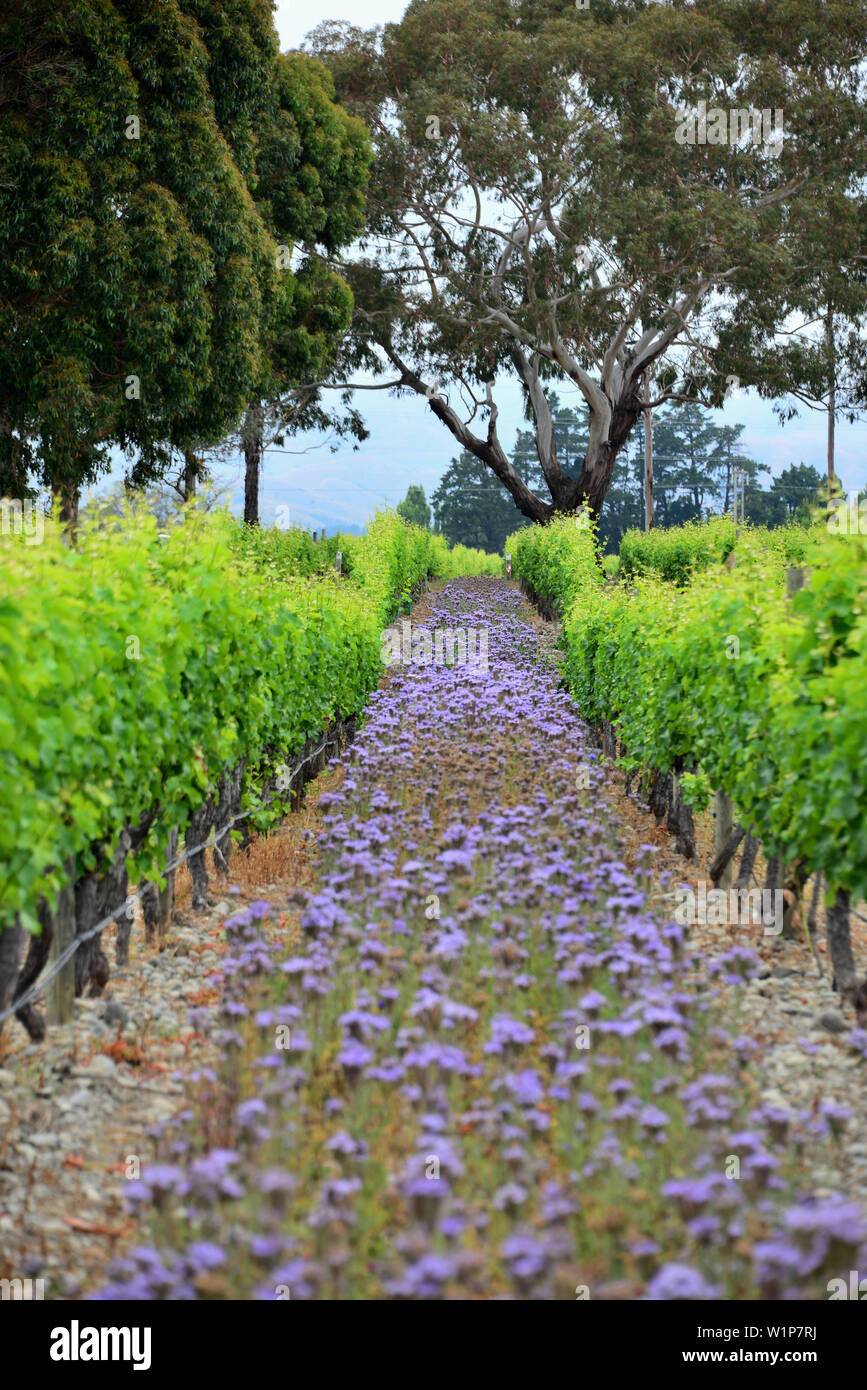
(832, 394)
(649, 519)
(739, 477)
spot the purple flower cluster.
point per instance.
(481, 1071)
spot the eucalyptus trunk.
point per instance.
(191, 473)
(253, 444)
(649, 518)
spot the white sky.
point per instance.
(294, 20)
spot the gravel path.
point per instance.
(76, 1111)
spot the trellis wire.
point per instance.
(65, 956)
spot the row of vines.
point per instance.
(155, 688)
(704, 668)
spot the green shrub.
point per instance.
(555, 560)
(761, 695)
(677, 553)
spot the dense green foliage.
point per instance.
(792, 495)
(675, 554)
(450, 562)
(292, 552)
(693, 466)
(557, 560)
(414, 507)
(310, 166)
(152, 159)
(760, 694)
(131, 244)
(678, 553)
(134, 670)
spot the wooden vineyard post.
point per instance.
(60, 993)
(723, 825)
(338, 562)
(796, 578)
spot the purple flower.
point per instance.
(353, 1059)
(526, 1087)
(592, 1002)
(680, 1282)
(527, 1258)
(249, 1111)
(651, 1118)
(510, 1198)
(508, 1035)
(203, 1254)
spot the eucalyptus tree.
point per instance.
(586, 194)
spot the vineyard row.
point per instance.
(156, 688)
(724, 682)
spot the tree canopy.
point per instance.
(543, 205)
(136, 271)
(414, 507)
(166, 178)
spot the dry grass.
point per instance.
(281, 858)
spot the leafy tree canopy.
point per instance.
(135, 270)
(153, 158)
(546, 201)
(414, 507)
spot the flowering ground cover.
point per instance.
(483, 1069)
